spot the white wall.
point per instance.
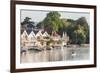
(5, 36)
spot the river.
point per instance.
(62, 54)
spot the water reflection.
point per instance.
(62, 54)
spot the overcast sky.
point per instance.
(38, 16)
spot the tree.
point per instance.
(80, 36)
(27, 23)
(26, 20)
(77, 30)
(51, 22)
(83, 23)
(40, 25)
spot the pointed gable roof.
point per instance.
(39, 33)
(24, 34)
(45, 34)
(32, 34)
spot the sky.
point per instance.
(38, 16)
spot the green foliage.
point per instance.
(80, 35)
(77, 30)
(27, 21)
(60, 42)
(52, 21)
(49, 42)
(27, 24)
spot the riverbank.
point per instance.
(73, 46)
(76, 46)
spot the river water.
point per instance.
(62, 54)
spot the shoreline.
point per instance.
(77, 46)
(74, 46)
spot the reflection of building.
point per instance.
(39, 38)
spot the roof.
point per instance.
(45, 34)
(35, 31)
